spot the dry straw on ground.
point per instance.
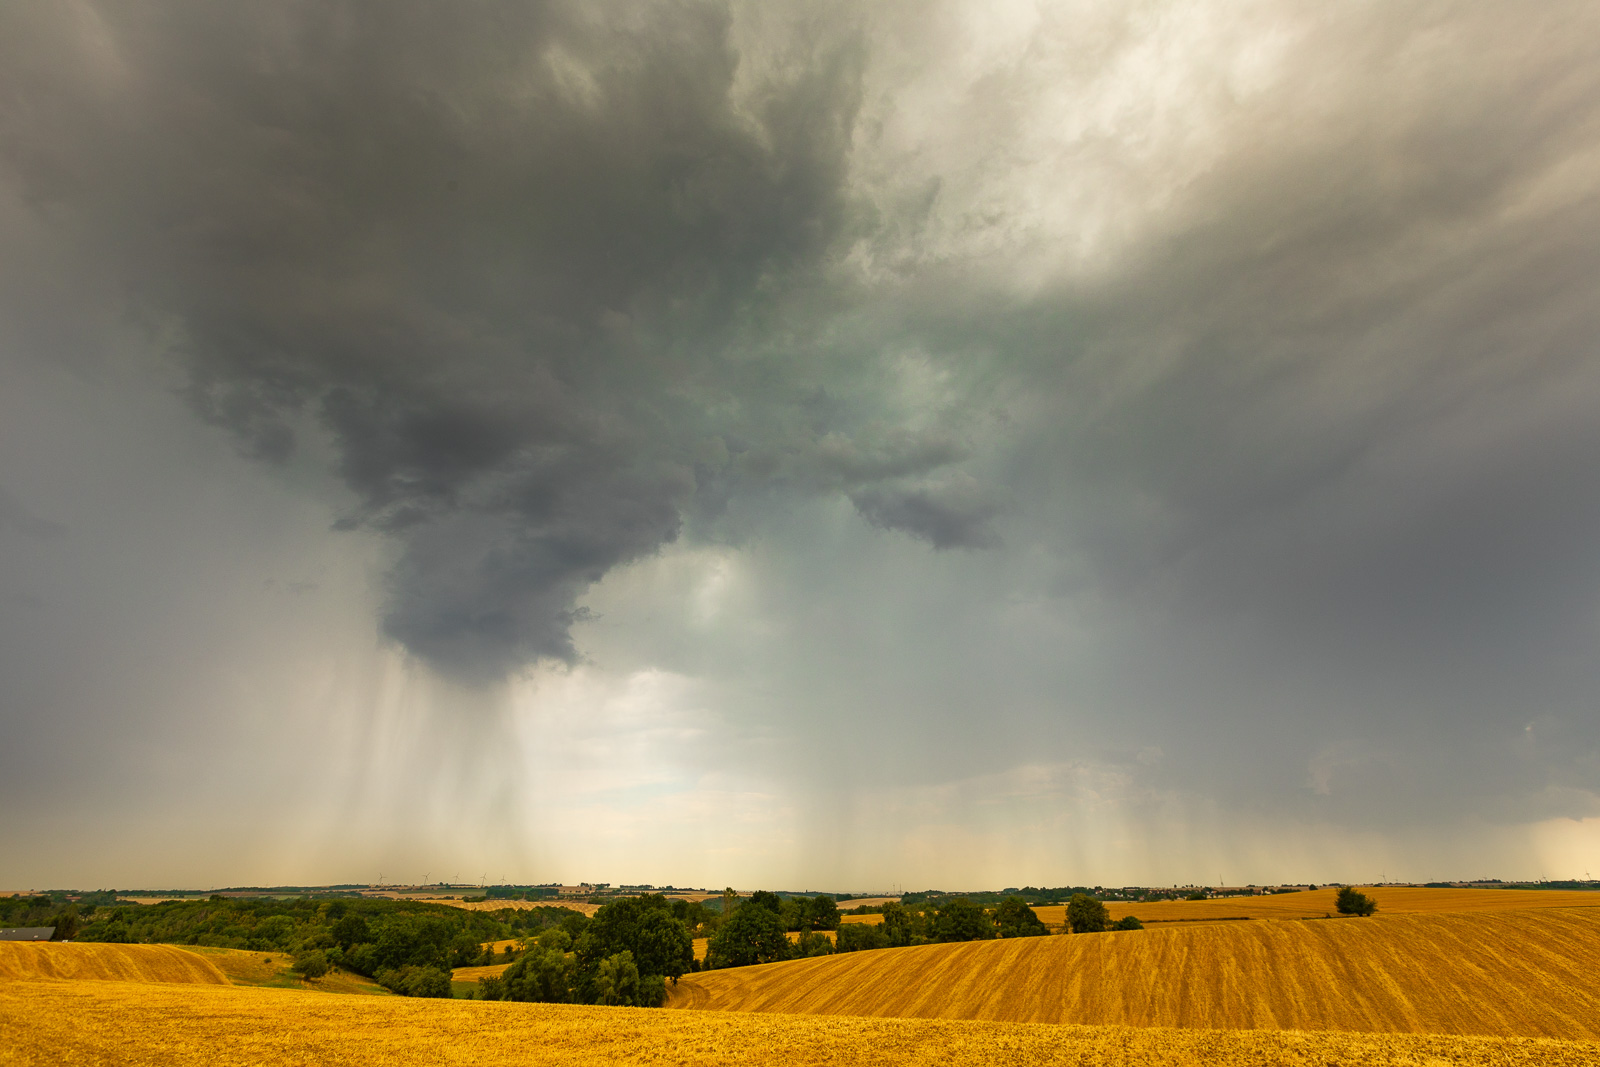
(1392, 900)
(275, 970)
(116, 963)
(518, 905)
(104, 1024)
(478, 974)
(1529, 974)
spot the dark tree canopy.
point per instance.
(962, 920)
(1016, 919)
(753, 934)
(1353, 902)
(1086, 915)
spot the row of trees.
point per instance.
(626, 955)
(409, 947)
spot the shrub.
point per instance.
(1128, 922)
(312, 964)
(813, 944)
(753, 934)
(617, 981)
(1016, 919)
(542, 974)
(412, 981)
(858, 937)
(1086, 915)
(962, 920)
(1351, 902)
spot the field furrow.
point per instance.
(108, 1024)
(108, 963)
(1529, 974)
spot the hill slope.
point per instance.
(1313, 904)
(43, 1024)
(106, 963)
(1530, 974)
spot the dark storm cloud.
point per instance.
(1195, 402)
(949, 515)
(523, 262)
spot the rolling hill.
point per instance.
(23, 960)
(1529, 973)
(44, 1024)
(1316, 903)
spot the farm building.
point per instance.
(27, 933)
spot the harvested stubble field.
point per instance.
(518, 905)
(104, 1024)
(273, 970)
(1528, 974)
(27, 960)
(1313, 904)
(478, 974)
(702, 944)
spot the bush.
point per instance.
(858, 937)
(543, 975)
(416, 981)
(1351, 902)
(1128, 922)
(811, 944)
(313, 964)
(1086, 915)
(617, 981)
(753, 934)
(962, 920)
(1016, 919)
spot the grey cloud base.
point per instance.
(1248, 352)
(523, 265)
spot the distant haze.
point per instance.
(808, 445)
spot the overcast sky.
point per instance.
(799, 445)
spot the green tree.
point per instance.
(898, 925)
(812, 943)
(66, 923)
(750, 935)
(313, 964)
(858, 937)
(1016, 919)
(762, 898)
(617, 980)
(1086, 915)
(351, 930)
(824, 913)
(959, 919)
(645, 928)
(1127, 922)
(1352, 902)
(542, 974)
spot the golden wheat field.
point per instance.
(107, 1024)
(27, 960)
(272, 969)
(518, 905)
(702, 944)
(1529, 974)
(478, 974)
(1391, 900)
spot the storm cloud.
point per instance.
(528, 268)
(1147, 407)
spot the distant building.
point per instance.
(574, 890)
(28, 933)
